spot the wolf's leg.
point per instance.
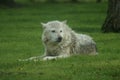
(55, 57)
(36, 58)
(50, 58)
(63, 56)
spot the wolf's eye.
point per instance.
(53, 31)
(60, 30)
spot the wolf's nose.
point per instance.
(59, 39)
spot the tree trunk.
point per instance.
(112, 21)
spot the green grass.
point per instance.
(20, 38)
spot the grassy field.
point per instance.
(20, 38)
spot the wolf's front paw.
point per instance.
(49, 58)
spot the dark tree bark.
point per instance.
(112, 21)
(98, 1)
(7, 2)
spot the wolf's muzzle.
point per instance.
(59, 39)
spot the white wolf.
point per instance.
(61, 41)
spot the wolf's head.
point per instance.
(54, 31)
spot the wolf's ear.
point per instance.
(43, 25)
(64, 22)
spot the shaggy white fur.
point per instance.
(61, 41)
